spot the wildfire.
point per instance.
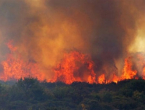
(128, 73)
(14, 67)
(101, 79)
(143, 73)
(74, 67)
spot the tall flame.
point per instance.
(74, 66)
(14, 67)
(128, 73)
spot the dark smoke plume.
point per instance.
(44, 29)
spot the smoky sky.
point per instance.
(44, 29)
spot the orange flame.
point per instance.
(15, 68)
(101, 79)
(128, 73)
(143, 73)
(74, 67)
(115, 79)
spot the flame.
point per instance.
(15, 68)
(115, 79)
(101, 79)
(74, 67)
(143, 73)
(128, 73)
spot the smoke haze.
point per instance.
(43, 30)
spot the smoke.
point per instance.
(43, 30)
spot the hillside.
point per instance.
(30, 94)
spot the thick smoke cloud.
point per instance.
(44, 29)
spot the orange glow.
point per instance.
(74, 67)
(15, 68)
(128, 73)
(101, 79)
(115, 79)
(143, 73)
